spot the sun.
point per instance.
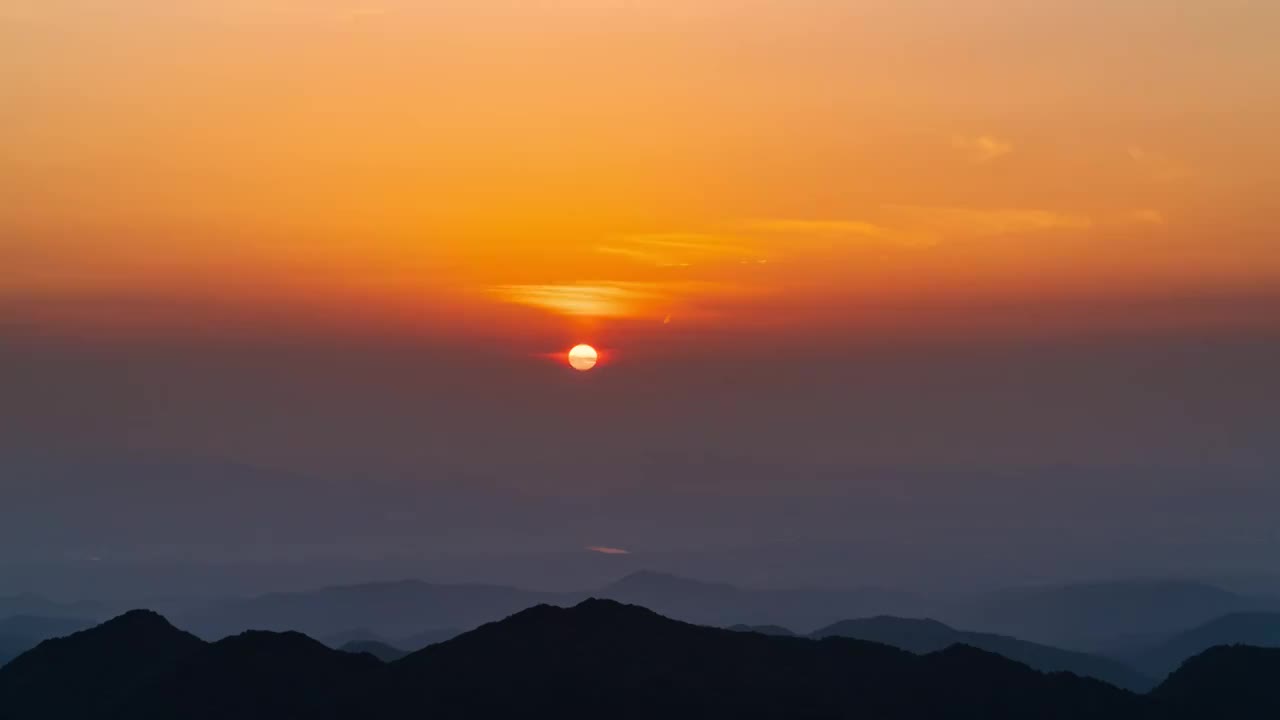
(583, 357)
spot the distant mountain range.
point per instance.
(20, 633)
(723, 604)
(411, 608)
(775, 630)
(382, 651)
(1105, 630)
(382, 610)
(38, 606)
(368, 638)
(929, 636)
(1162, 658)
(1100, 616)
(597, 659)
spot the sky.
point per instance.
(821, 245)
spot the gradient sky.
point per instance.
(354, 237)
(822, 164)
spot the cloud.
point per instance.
(610, 299)
(642, 256)
(1157, 166)
(677, 249)
(942, 222)
(602, 550)
(601, 299)
(826, 233)
(691, 242)
(914, 226)
(981, 149)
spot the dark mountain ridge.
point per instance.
(597, 658)
(570, 662)
(1160, 659)
(83, 674)
(1237, 682)
(252, 675)
(928, 636)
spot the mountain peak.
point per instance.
(81, 674)
(136, 619)
(894, 620)
(591, 610)
(602, 607)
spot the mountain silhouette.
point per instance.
(599, 658)
(603, 657)
(139, 667)
(1257, 629)
(927, 636)
(382, 651)
(1235, 682)
(255, 675)
(85, 674)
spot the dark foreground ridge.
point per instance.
(597, 659)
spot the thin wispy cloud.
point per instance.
(597, 299)
(709, 244)
(981, 149)
(640, 255)
(604, 550)
(609, 299)
(971, 222)
(804, 234)
(913, 226)
(679, 250)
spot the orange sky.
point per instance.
(559, 167)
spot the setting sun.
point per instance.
(583, 358)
